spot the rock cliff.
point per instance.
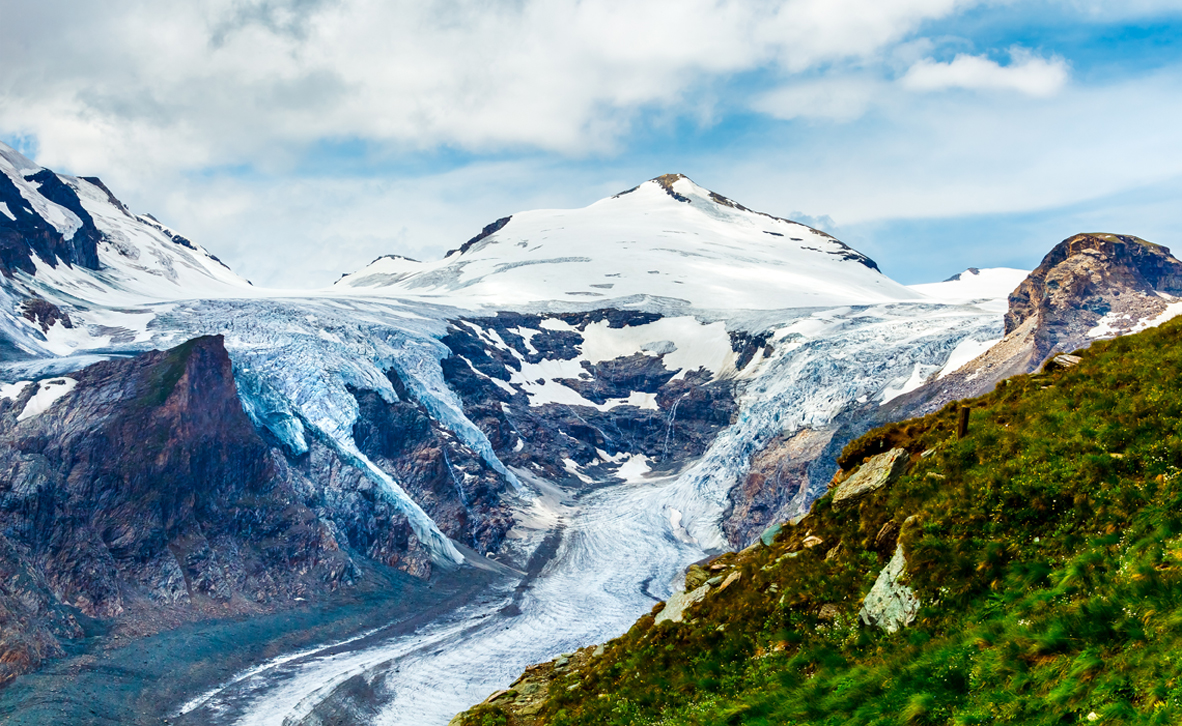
(138, 492)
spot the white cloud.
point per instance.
(184, 85)
(1026, 73)
(840, 98)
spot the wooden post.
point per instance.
(962, 422)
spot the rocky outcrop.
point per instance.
(687, 408)
(874, 474)
(25, 234)
(776, 485)
(675, 607)
(138, 492)
(44, 314)
(890, 604)
(1089, 287)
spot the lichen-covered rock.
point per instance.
(769, 535)
(695, 575)
(877, 472)
(890, 604)
(678, 602)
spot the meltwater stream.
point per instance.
(619, 553)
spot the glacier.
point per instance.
(702, 268)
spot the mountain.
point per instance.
(1025, 572)
(579, 437)
(70, 234)
(667, 238)
(1087, 288)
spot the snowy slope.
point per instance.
(988, 287)
(139, 258)
(667, 238)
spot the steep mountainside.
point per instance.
(139, 491)
(1027, 572)
(1089, 287)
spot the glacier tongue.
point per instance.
(295, 362)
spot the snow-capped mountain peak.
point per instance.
(667, 238)
(66, 235)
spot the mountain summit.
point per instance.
(666, 238)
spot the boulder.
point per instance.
(890, 604)
(678, 602)
(877, 472)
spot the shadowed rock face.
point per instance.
(450, 482)
(145, 495)
(23, 233)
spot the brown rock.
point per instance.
(876, 473)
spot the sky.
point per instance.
(300, 139)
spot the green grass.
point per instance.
(1045, 547)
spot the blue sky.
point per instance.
(299, 139)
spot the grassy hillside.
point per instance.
(1045, 548)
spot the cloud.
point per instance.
(186, 85)
(840, 98)
(1026, 73)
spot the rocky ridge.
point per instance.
(1089, 287)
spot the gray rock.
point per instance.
(676, 605)
(890, 604)
(769, 534)
(877, 472)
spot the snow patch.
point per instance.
(572, 467)
(1107, 325)
(965, 351)
(914, 381)
(48, 392)
(634, 468)
(12, 391)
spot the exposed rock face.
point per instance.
(890, 604)
(24, 233)
(686, 411)
(144, 493)
(44, 313)
(1089, 273)
(776, 485)
(447, 479)
(1090, 286)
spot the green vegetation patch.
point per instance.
(1045, 548)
